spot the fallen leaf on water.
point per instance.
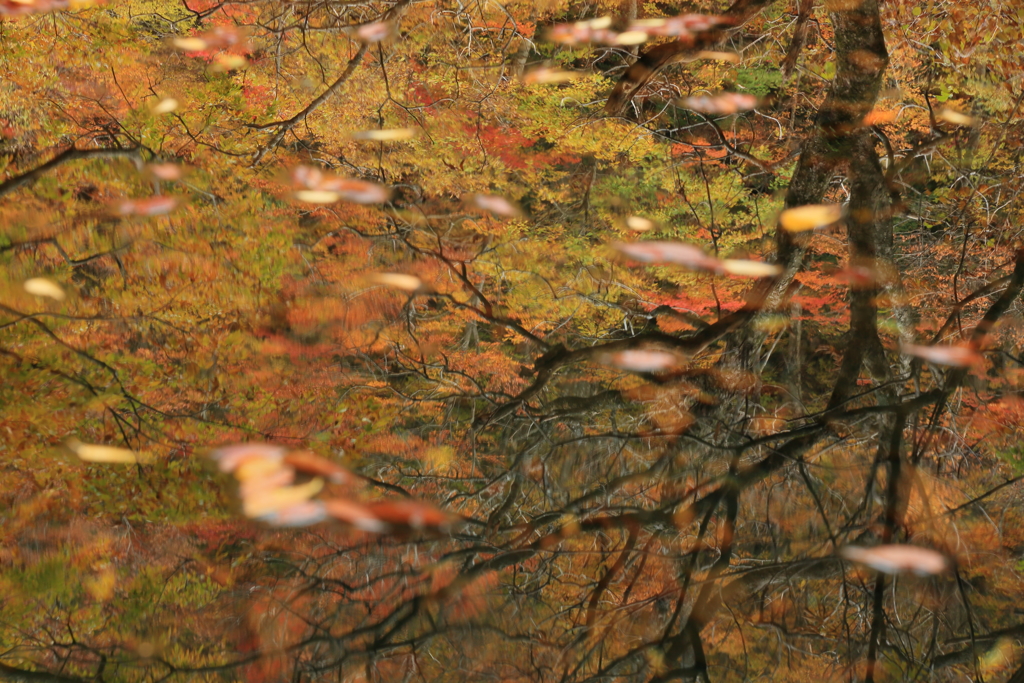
(311, 463)
(229, 458)
(406, 283)
(549, 75)
(217, 39)
(273, 479)
(385, 135)
(102, 454)
(374, 32)
(892, 559)
(410, 513)
(168, 172)
(499, 206)
(640, 224)
(681, 25)
(257, 467)
(630, 38)
(732, 57)
(957, 356)
(153, 206)
(952, 116)
(190, 44)
(725, 103)
(317, 196)
(165, 106)
(40, 286)
(744, 268)
(256, 507)
(357, 191)
(668, 252)
(809, 217)
(354, 514)
(228, 62)
(300, 514)
(640, 360)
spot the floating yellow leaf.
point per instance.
(952, 116)
(744, 268)
(631, 38)
(102, 454)
(317, 196)
(809, 217)
(165, 106)
(190, 44)
(40, 286)
(640, 224)
(713, 55)
(549, 75)
(386, 135)
(277, 499)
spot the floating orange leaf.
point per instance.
(809, 217)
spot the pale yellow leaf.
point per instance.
(40, 286)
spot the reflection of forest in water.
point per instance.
(403, 341)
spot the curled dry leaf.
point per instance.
(374, 32)
(165, 106)
(385, 135)
(668, 252)
(744, 268)
(499, 206)
(102, 454)
(952, 116)
(641, 360)
(40, 286)
(406, 283)
(893, 559)
(725, 103)
(957, 356)
(153, 206)
(549, 75)
(809, 217)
